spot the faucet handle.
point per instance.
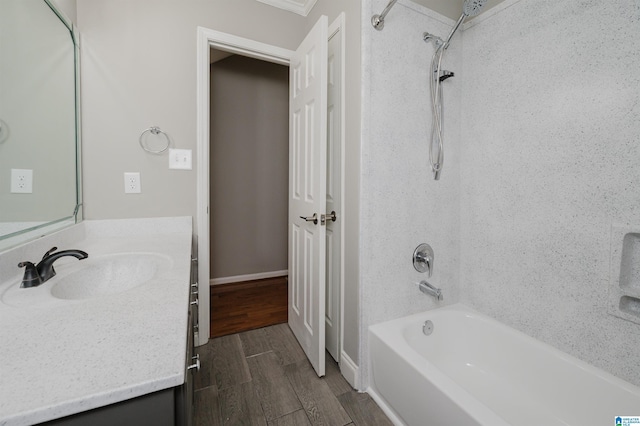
(47, 254)
(31, 276)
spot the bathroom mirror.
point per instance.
(39, 138)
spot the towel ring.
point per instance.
(154, 130)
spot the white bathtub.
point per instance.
(473, 370)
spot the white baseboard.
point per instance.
(249, 277)
(349, 369)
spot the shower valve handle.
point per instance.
(423, 259)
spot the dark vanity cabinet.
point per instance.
(168, 407)
(184, 393)
(184, 397)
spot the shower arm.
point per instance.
(453, 31)
(378, 20)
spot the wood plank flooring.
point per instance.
(238, 307)
(262, 377)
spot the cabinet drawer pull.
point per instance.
(195, 302)
(196, 365)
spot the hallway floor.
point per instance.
(248, 305)
(262, 377)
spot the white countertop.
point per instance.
(61, 357)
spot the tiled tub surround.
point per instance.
(542, 145)
(61, 357)
(401, 204)
(550, 160)
(624, 287)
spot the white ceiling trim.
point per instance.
(301, 7)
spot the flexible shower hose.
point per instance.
(436, 158)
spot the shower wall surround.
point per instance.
(542, 161)
(550, 161)
(402, 206)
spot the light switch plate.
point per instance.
(180, 159)
(21, 181)
(132, 183)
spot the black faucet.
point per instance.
(34, 275)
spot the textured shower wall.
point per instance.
(550, 160)
(401, 204)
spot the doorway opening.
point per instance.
(249, 158)
(334, 306)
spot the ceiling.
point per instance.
(301, 7)
(451, 8)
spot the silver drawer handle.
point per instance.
(195, 302)
(196, 365)
(313, 218)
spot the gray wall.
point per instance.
(249, 166)
(138, 70)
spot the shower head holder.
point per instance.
(428, 38)
(445, 74)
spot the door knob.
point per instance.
(313, 218)
(325, 217)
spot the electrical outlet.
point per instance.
(180, 159)
(132, 183)
(21, 181)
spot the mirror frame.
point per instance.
(29, 234)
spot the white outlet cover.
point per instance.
(180, 159)
(21, 181)
(132, 183)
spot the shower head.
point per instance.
(473, 7)
(470, 8)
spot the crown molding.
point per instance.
(301, 7)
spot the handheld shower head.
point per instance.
(470, 8)
(473, 7)
(438, 75)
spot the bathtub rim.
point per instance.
(456, 392)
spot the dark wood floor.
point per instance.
(262, 377)
(248, 305)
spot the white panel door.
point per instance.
(334, 189)
(307, 192)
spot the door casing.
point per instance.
(207, 39)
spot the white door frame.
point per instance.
(336, 28)
(206, 39)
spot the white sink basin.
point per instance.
(93, 277)
(106, 275)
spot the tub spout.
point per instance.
(427, 288)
